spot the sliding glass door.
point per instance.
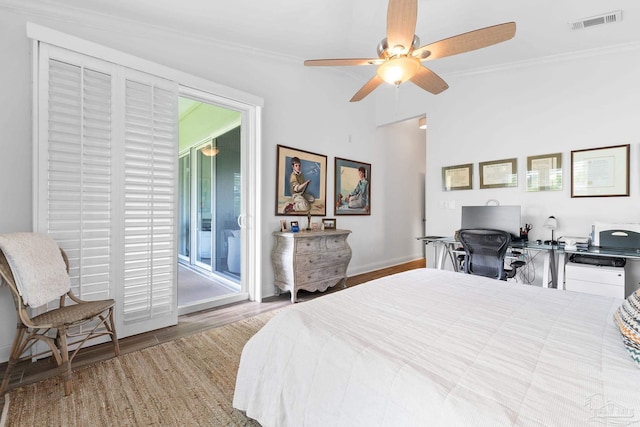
(210, 198)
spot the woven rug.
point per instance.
(186, 382)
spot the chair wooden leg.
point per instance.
(114, 337)
(14, 356)
(66, 364)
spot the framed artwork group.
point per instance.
(595, 172)
(301, 185)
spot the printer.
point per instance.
(616, 236)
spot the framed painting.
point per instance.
(353, 187)
(600, 172)
(499, 173)
(301, 182)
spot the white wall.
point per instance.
(559, 105)
(305, 108)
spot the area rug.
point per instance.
(186, 382)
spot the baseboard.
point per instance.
(370, 268)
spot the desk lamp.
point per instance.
(552, 224)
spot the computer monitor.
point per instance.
(505, 218)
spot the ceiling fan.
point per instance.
(399, 57)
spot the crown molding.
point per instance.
(551, 59)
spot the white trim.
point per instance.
(38, 32)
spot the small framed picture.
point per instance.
(294, 226)
(459, 177)
(328, 223)
(314, 226)
(499, 173)
(283, 225)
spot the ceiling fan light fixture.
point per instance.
(398, 70)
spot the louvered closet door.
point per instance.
(75, 177)
(106, 161)
(150, 197)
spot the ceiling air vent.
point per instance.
(605, 18)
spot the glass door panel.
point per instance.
(184, 207)
(204, 211)
(227, 196)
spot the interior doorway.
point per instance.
(209, 205)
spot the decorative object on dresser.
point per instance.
(301, 182)
(313, 261)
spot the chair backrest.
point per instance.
(6, 275)
(485, 250)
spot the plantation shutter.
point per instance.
(105, 182)
(75, 169)
(150, 195)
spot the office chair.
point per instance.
(485, 251)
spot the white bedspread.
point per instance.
(436, 348)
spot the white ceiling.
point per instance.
(314, 29)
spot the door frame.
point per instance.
(250, 204)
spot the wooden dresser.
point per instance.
(310, 260)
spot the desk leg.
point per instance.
(561, 263)
(549, 273)
(554, 268)
(545, 270)
(442, 251)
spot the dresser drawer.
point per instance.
(309, 245)
(320, 275)
(322, 259)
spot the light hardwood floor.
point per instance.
(28, 373)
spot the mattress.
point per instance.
(437, 348)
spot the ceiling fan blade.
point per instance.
(466, 42)
(345, 61)
(429, 81)
(367, 88)
(401, 24)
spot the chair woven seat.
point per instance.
(72, 314)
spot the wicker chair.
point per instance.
(64, 320)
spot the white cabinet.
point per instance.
(596, 280)
(310, 260)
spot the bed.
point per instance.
(431, 347)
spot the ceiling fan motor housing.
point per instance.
(384, 51)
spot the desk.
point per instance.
(447, 245)
(593, 251)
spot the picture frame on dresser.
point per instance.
(308, 173)
(352, 187)
(328, 223)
